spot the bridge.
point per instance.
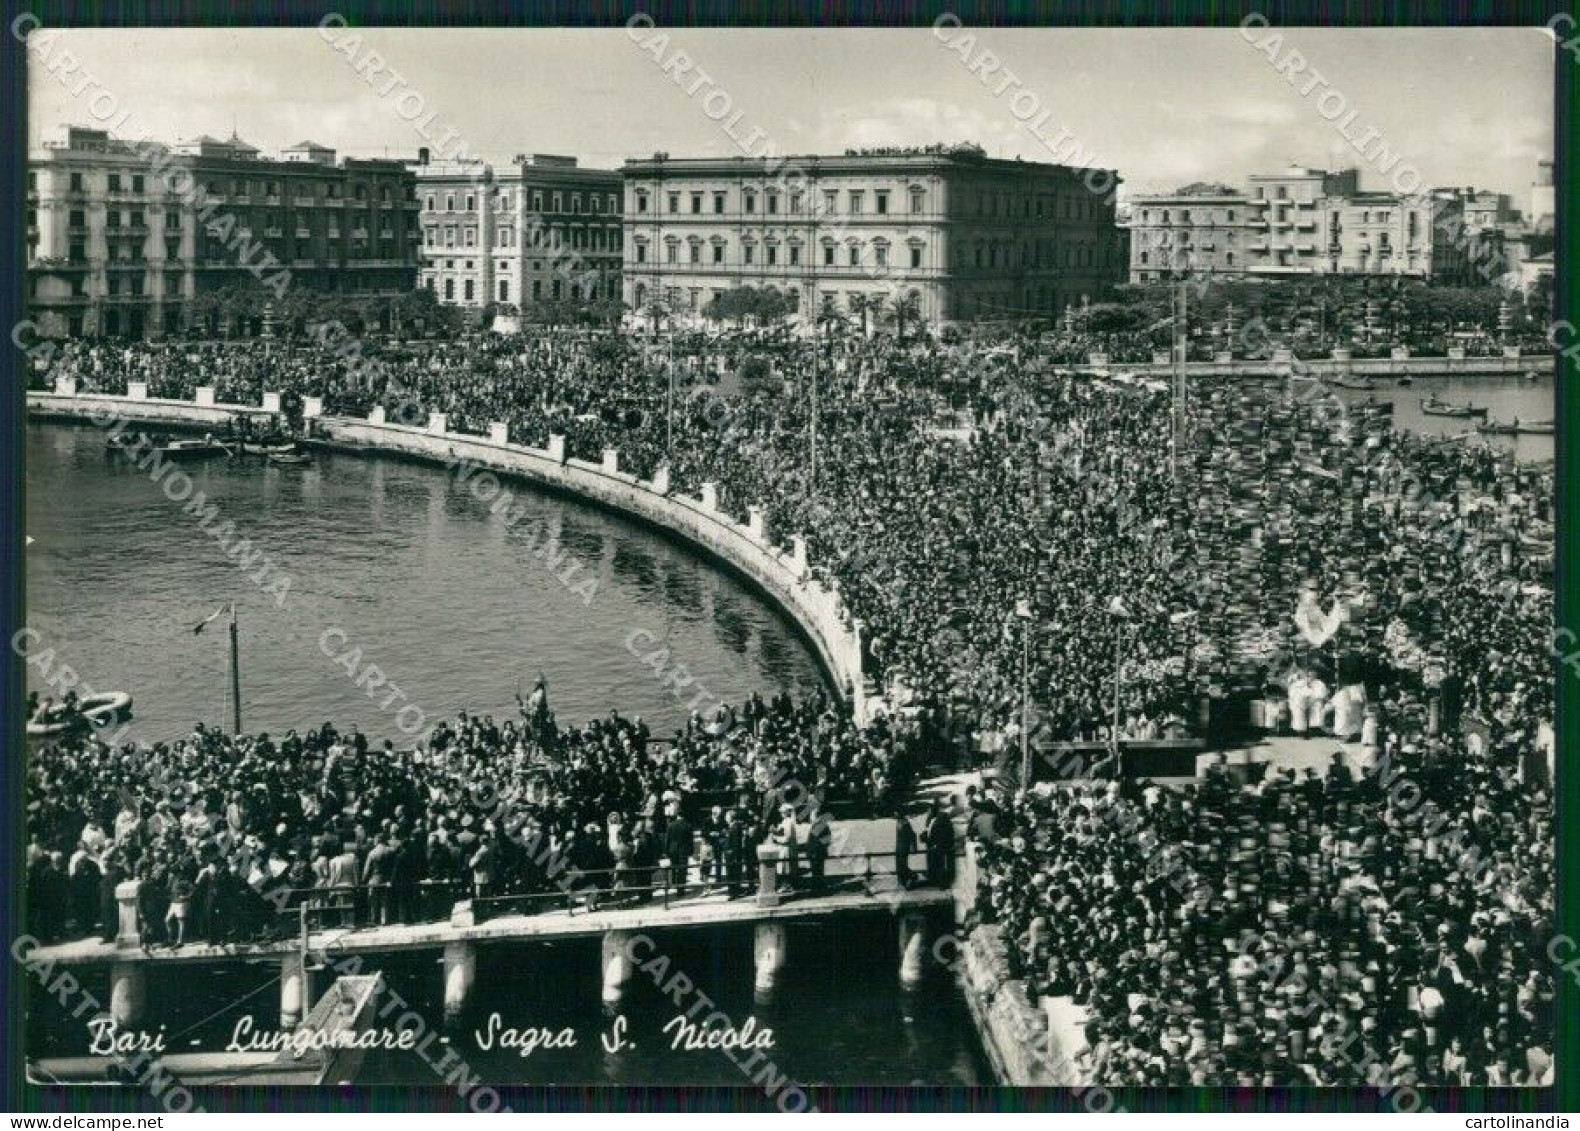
(858, 883)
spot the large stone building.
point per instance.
(126, 239)
(544, 230)
(970, 237)
(1296, 223)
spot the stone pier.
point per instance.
(914, 938)
(616, 965)
(460, 971)
(769, 952)
(128, 993)
(769, 857)
(296, 991)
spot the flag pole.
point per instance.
(235, 674)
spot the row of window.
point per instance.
(505, 199)
(578, 239)
(1381, 217)
(771, 257)
(243, 186)
(135, 219)
(1039, 253)
(696, 202)
(856, 201)
(556, 290)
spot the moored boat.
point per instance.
(289, 459)
(268, 447)
(1364, 383)
(101, 710)
(192, 449)
(1431, 406)
(1498, 428)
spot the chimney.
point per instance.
(422, 155)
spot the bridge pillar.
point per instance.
(913, 949)
(128, 935)
(296, 992)
(460, 971)
(768, 857)
(617, 965)
(128, 993)
(769, 951)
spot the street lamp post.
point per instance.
(812, 477)
(1121, 615)
(1023, 612)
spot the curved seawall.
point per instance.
(782, 576)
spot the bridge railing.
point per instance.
(351, 907)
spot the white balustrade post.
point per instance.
(499, 433)
(203, 396)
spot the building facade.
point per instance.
(127, 240)
(965, 236)
(1543, 199)
(1296, 223)
(545, 230)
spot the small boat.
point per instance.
(100, 711)
(268, 447)
(192, 449)
(289, 459)
(1497, 428)
(1431, 406)
(1351, 382)
(1534, 427)
(1405, 381)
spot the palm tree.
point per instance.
(658, 308)
(907, 308)
(829, 316)
(862, 306)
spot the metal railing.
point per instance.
(352, 907)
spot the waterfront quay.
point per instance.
(860, 885)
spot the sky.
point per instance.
(1164, 107)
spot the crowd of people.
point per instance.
(229, 834)
(1019, 542)
(1313, 929)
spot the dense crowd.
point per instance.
(1308, 930)
(227, 833)
(1016, 541)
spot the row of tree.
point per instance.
(246, 308)
(768, 307)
